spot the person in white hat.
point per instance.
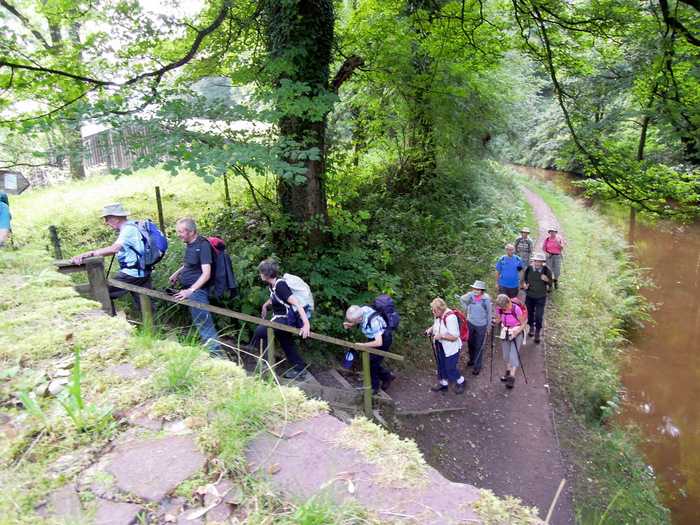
(537, 281)
(524, 246)
(478, 307)
(127, 248)
(553, 246)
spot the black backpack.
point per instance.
(223, 281)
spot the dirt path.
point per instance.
(503, 440)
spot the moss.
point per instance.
(507, 511)
(399, 461)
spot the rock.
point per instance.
(58, 385)
(128, 371)
(65, 503)
(61, 372)
(113, 513)
(152, 469)
(140, 416)
(42, 390)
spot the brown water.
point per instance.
(662, 377)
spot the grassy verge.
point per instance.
(588, 320)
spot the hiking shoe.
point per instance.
(531, 333)
(386, 383)
(537, 337)
(459, 388)
(556, 284)
(476, 371)
(295, 373)
(505, 377)
(510, 382)
(470, 363)
(439, 388)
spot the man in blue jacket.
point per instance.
(508, 272)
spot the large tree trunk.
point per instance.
(299, 41)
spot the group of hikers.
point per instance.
(520, 271)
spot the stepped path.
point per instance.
(491, 437)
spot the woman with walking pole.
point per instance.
(513, 321)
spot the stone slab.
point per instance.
(113, 513)
(128, 371)
(309, 462)
(153, 469)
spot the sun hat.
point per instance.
(479, 285)
(552, 229)
(114, 210)
(524, 229)
(539, 257)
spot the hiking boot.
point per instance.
(470, 363)
(476, 371)
(295, 373)
(386, 383)
(537, 337)
(505, 377)
(438, 388)
(531, 332)
(459, 387)
(510, 382)
(556, 284)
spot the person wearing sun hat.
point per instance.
(477, 306)
(553, 246)
(523, 246)
(127, 249)
(537, 281)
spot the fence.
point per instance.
(98, 289)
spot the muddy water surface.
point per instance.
(662, 377)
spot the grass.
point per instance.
(598, 303)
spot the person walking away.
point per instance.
(537, 280)
(553, 246)
(524, 246)
(287, 310)
(512, 320)
(477, 305)
(5, 219)
(446, 338)
(508, 269)
(195, 278)
(375, 328)
(129, 249)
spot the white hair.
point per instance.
(354, 314)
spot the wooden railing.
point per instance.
(98, 289)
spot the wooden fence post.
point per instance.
(99, 290)
(159, 203)
(271, 348)
(146, 313)
(366, 385)
(56, 242)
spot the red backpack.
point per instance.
(463, 325)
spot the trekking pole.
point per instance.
(110, 266)
(517, 351)
(491, 377)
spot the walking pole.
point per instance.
(517, 351)
(491, 377)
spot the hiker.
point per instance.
(5, 219)
(508, 272)
(553, 246)
(446, 345)
(376, 329)
(537, 281)
(195, 278)
(477, 305)
(523, 246)
(512, 320)
(286, 309)
(129, 250)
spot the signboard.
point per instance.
(13, 182)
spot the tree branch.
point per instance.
(12, 9)
(345, 71)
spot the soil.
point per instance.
(492, 437)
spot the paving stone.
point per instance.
(63, 503)
(128, 371)
(113, 513)
(153, 469)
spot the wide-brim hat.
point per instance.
(525, 230)
(479, 285)
(552, 229)
(114, 210)
(539, 257)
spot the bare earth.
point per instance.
(499, 439)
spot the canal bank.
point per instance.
(660, 371)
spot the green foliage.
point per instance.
(181, 375)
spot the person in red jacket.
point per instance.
(553, 246)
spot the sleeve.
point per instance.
(126, 235)
(283, 291)
(378, 325)
(489, 308)
(452, 325)
(205, 253)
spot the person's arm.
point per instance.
(99, 252)
(176, 274)
(447, 336)
(375, 343)
(265, 306)
(305, 326)
(187, 293)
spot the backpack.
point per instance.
(465, 304)
(301, 291)
(384, 306)
(223, 280)
(517, 302)
(155, 244)
(463, 325)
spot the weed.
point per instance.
(181, 375)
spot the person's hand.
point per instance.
(173, 278)
(347, 325)
(305, 330)
(494, 321)
(428, 332)
(544, 278)
(183, 294)
(78, 259)
(263, 311)
(525, 286)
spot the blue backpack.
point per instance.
(154, 242)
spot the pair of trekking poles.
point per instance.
(478, 355)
